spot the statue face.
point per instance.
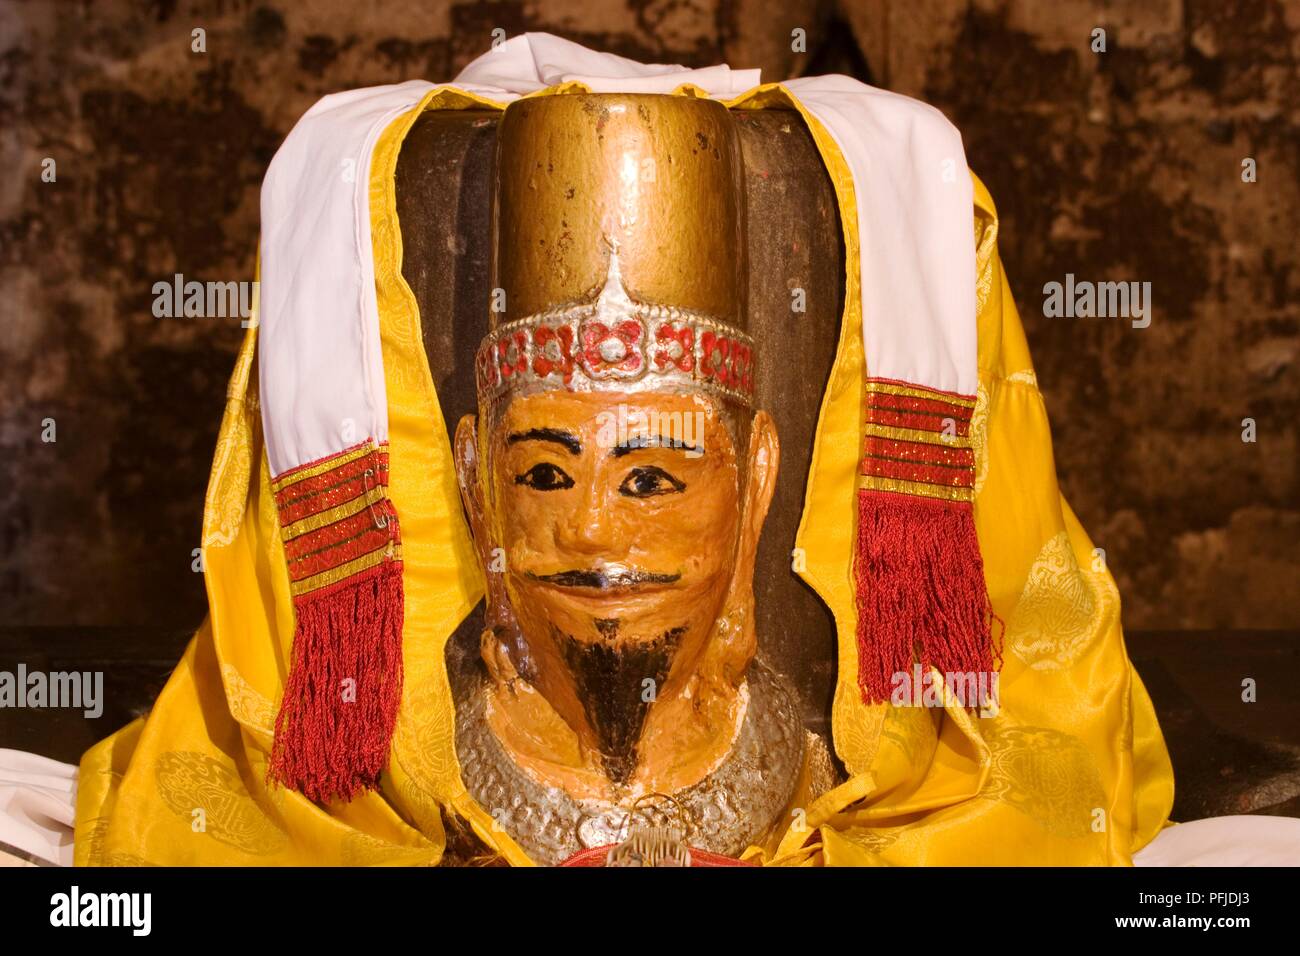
(621, 548)
(616, 538)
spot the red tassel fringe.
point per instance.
(921, 593)
(331, 744)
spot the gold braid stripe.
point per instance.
(874, 483)
(874, 430)
(890, 450)
(315, 522)
(335, 575)
(954, 466)
(331, 545)
(908, 391)
(955, 412)
(329, 464)
(381, 469)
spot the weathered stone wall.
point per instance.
(1122, 165)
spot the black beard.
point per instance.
(608, 678)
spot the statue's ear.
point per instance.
(734, 645)
(469, 476)
(501, 643)
(764, 462)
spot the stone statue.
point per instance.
(616, 479)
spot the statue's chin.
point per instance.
(621, 707)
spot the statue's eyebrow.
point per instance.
(567, 439)
(650, 441)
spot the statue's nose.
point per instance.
(592, 527)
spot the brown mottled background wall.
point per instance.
(1123, 165)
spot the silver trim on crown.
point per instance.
(614, 343)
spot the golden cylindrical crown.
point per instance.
(619, 255)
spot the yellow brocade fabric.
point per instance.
(1071, 770)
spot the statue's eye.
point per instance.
(545, 477)
(648, 481)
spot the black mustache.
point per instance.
(604, 579)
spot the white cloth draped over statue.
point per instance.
(317, 294)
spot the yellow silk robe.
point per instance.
(1071, 770)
